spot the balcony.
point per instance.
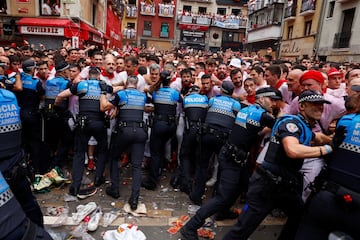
(146, 33)
(307, 7)
(166, 10)
(290, 12)
(129, 33)
(342, 40)
(193, 19)
(229, 22)
(147, 9)
(200, 1)
(131, 11)
(164, 34)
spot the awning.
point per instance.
(48, 27)
(90, 33)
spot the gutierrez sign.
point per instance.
(50, 31)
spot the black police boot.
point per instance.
(175, 182)
(194, 200)
(148, 184)
(98, 181)
(112, 192)
(133, 201)
(188, 234)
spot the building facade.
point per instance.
(156, 24)
(211, 25)
(265, 24)
(339, 32)
(301, 29)
(51, 22)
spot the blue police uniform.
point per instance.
(195, 107)
(57, 131)
(277, 183)
(335, 205)
(29, 100)
(12, 163)
(219, 120)
(232, 159)
(8, 81)
(13, 222)
(91, 123)
(164, 128)
(131, 133)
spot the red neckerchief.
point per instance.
(251, 99)
(40, 77)
(106, 74)
(118, 71)
(173, 79)
(135, 73)
(279, 83)
(8, 71)
(51, 67)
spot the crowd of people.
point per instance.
(282, 133)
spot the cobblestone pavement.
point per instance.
(164, 206)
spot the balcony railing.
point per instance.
(147, 33)
(164, 34)
(201, 20)
(147, 9)
(308, 6)
(342, 40)
(229, 22)
(290, 11)
(129, 33)
(200, 1)
(166, 10)
(131, 11)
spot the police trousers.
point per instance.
(326, 212)
(132, 138)
(95, 128)
(263, 196)
(228, 189)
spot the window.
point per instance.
(164, 30)
(221, 11)
(202, 9)
(187, 8)
(3, 7)
(147, 25)
(132, 2)
(236, 12)
(307, 28)
(290, 32)
(50, 7)
(231, 37)
(131, 25)
(331, 9)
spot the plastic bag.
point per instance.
(83, 211)
(109, 218)
(125, 232)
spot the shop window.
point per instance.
(50, 7)
(3, 7)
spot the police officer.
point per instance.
(12, 162)
(215, 131)
(91, 123)
(29, 100)
(164, 127)
(131, 133)
(277, 182)
(233, 158)
(13, 222)
(56, 127)
(195, 107)
(335, 205)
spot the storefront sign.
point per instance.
(98, 39)
(50, 31)
(193, 27)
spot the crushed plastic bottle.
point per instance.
(108, 218)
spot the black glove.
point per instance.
(103, 87)
(110, 89)
(340, 133)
